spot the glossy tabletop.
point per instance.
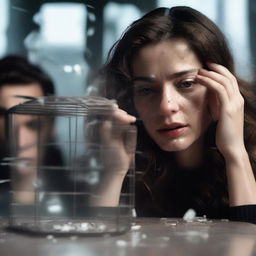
(147, 237)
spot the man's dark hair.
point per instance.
(19, 71)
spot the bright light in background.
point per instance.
(62, 24)
(4, 21)
(58, 45)
(236, 29)
(117, 17)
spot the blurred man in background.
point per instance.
(20, 81)
(18, 78)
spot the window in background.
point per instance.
(236, 29)
(117, 17)
(4, 20)
(59, 45)
(252, 21)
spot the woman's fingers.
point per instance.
(223, 76)
(112, 131)
(214, 105)
(120, 116)
(224, 91)
(220, 80)
(214, 86)
(224, 72)
(130, 139)
(116, 128)
(92, 131)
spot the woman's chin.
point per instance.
(179, 144)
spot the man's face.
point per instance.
(8, 99)
(26, 124)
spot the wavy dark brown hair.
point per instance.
(161, 174)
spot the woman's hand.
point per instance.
(226, 106)
(113, 142)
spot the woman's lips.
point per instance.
(172, 131)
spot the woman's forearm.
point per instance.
(241, 181)
(108, 192)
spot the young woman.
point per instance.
(172, 69)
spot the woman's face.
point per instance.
(171, 104)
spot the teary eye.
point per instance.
(187, 84)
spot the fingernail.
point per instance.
(133, 119)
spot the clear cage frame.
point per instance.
(64, 151)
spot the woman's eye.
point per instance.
(144, 91)
(187, 84)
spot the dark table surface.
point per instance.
(147, 236)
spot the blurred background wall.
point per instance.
(71, 39)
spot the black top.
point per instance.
(164, 189)
(145, 207)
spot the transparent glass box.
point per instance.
(64, 151)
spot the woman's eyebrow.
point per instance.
(143, 79)
(171, 76)
(182, 73)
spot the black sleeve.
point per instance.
(244, 213)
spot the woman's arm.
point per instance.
(108, 192)
(241, 181)
(227, 109)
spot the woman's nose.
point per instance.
(169, 102)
